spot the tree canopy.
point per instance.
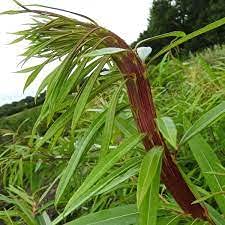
(187, 16)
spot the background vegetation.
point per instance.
(185, 15)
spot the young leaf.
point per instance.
(204, 121)
(168, 130)
(144, 52)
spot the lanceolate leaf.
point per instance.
(34, 74)
(75, 158)
(170, 34)
(105, 184)
(44, 219)
(150, 204)
(82, 101)
(215, 216)
(56, 126)
(204, 121)
(108, 129)
(149, 168)
(122, 215)
(168, 130)
(187, 37)
(148, 186)
(209, 165)
(102, 167)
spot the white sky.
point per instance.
(127, 18)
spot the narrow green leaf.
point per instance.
(121, 178)
(215, 216)
(104, 184)
(75, 158)
(187, 37)
(43, 219)
(148, 170)
(22, 194)
(83, 98)
(104, 51)
(170, 34)
(204, 121)
(27, 70)
(57, 125)
(102, 167)
(122, 215)
(202, 199)
(148, 186)
(108, 128)
(34, 74)
(16, 40)
(209, 162)
(168, 130)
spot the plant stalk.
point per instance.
(143, 109)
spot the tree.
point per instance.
(187, 16)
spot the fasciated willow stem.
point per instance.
(143, 109)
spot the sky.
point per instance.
(127, 18)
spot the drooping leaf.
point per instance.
(34, 75)
(170, 34)
(83, 98)
(102, 167)
(108, 128)
(75, 158)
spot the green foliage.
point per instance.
(184, 15)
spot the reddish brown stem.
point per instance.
(139, 92)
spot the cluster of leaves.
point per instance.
(90, 167)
